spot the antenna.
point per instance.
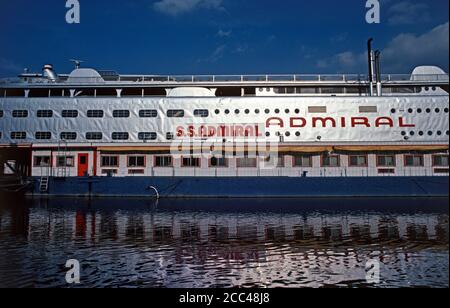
(77, 62)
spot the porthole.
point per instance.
(261, 89)
(297, 111)
(287, 111)
(257, 111)
(247, 111)
(278, 134)
(277, 111)
(268, 89)
(427, 89)
(447, 133)
(412, 133)
(428, 110)
(433, 88)
(393, 110)
(297, 134)
(446, 110)
(439, 133)
(430, 133)
(227, 111)
(410, 110)
(267, 111)
(288, 134)
(403, 133)
(237, 111)
(421, 133)
(419, 110)
(437, 110)
(267, 134)
(217, 111)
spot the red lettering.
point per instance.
(324, 122)
(360, 121)
(294, 123)
(401, 122)
(274, 122)
(384, 121)
(343, 122)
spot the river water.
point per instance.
(225, 243)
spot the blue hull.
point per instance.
(246, 187)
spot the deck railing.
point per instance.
(263, 79)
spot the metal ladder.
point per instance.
(61, 171)
(43, 187)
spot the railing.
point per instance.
(263, 79)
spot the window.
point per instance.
(94, 136)
(357, 161)
(20, 113)
(148, 113)
(68, 136)
(147, 136)
(317, 109)
(386, 161)
(275, 162)
(110, 161)
(170, 136)
(109, 172)
(43, 135)
(69, 113)
(201, 113)
(247, 162)
(304, 161)
(331, 160)
(175, 113)
(138, 171)
(368, 109)
(191, 162)
(414, 161)
(18, 135)
(121, 113)
(386, 171)
(120, 136)
(440, 161)
(41, 161)
(136, 161)
(65, 161)
(1, 113)
(44, 113)
(163, 161)
(217, 162)
(95, 113)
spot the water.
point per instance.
(224, 243)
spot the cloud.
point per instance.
(401, 55)
(406, 13)
(216, 55)
(222, 33)
(179, 7)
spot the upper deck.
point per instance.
(93, 83)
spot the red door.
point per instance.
(83, 164)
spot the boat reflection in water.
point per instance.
(224, 243)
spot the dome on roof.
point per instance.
(84, 75)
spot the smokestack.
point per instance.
(370, 60)
(49, 73)
(378, 72)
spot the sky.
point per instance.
(222, 36)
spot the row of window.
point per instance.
(427, 110)
(304, 161)
(144, 136)
(201, 113)
(422, 133)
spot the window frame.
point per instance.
(433, 157)
(414, 155)
(144, 165)
(40, 165)
(322, 160)
(366, 157)
(386, 166)
(191, 158)
(226, 160)
(295, 165)
(163, 156)
(102, 164)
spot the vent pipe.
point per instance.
(370, 60)
(49, 73)
(378, 72)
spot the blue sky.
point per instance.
(222, 36)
